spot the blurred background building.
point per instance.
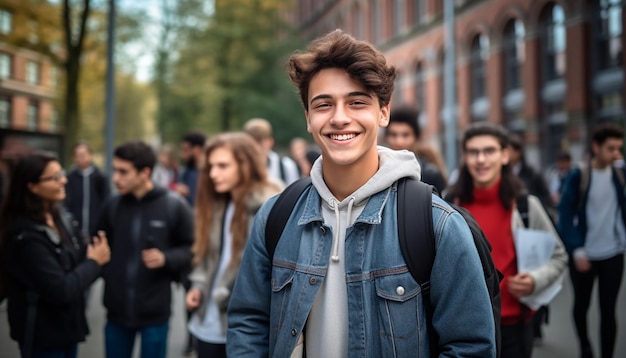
(546, 69)
(29, 86)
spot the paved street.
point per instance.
(560, 340)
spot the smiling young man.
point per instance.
(488, 189)
(150, 232)
(592, 217)
(337, 284)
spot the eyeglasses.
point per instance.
(487, 152)
(56, 177)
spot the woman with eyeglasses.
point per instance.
(48, 265)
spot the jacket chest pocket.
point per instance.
(157, 234)
(399, 307)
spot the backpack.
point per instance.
(585, 174)
(414, 216)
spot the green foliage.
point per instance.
(232, 70)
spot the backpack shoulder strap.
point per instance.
(280, 212)
(584, 180)
(415, 228)
(619, 172)
(522, 207)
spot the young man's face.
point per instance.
(127, 178)
(400, 136)
(344, 117)
(608, 152)
(484, 157)
(223, 170)
(82, 157)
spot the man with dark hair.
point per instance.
(533, 181)
(592, 221)
(337, 284)
(191, 152)
(87, 189)
(403, 132)
(150, 232)
(488, 189)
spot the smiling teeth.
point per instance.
(342, 136)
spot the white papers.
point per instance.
(534, 249)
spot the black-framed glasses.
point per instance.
(56, 177)
(487, 152)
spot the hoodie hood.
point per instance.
(393, 165)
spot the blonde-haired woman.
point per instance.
(232, 186)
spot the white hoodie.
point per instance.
(327, 325)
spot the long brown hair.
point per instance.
(252, 174)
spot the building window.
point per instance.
(357, 21)
(54, 121)
(553, 35)
(608, 34)
(6, 19)
(513, 49)
(6, 65)
(398, 16)
(32, 116)
(419, 11)
(5, 112)
(420, 88)
(375, 21)
(32, 72)
(478, 55)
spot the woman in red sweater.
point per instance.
(488, 189)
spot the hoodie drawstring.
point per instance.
(334, 205)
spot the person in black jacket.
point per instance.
(48, 265)
(150, 232)
(403, 132)
(87, 189)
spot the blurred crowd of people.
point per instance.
(185, 215)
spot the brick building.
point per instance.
(28, 90)
(547, 69)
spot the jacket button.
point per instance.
(312, 280)
(294, 332)
(323, 229)
(400, 290)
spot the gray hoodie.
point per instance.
(327, 325)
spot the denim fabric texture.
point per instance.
(120, 340)
(271, 301)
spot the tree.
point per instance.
(74, 31)
(234, 70)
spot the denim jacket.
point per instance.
(271, 301)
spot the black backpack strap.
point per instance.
(417, 241)
(415, 228)
(278, 216)
(522, 207)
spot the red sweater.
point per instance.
(495, 221)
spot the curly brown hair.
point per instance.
(361, 60)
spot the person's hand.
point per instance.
(521, 285)
(582, 264)
(99, 250)
(194, 296)
(182, 189)
(153, 258)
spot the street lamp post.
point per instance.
(110, 90)
(449, 87)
